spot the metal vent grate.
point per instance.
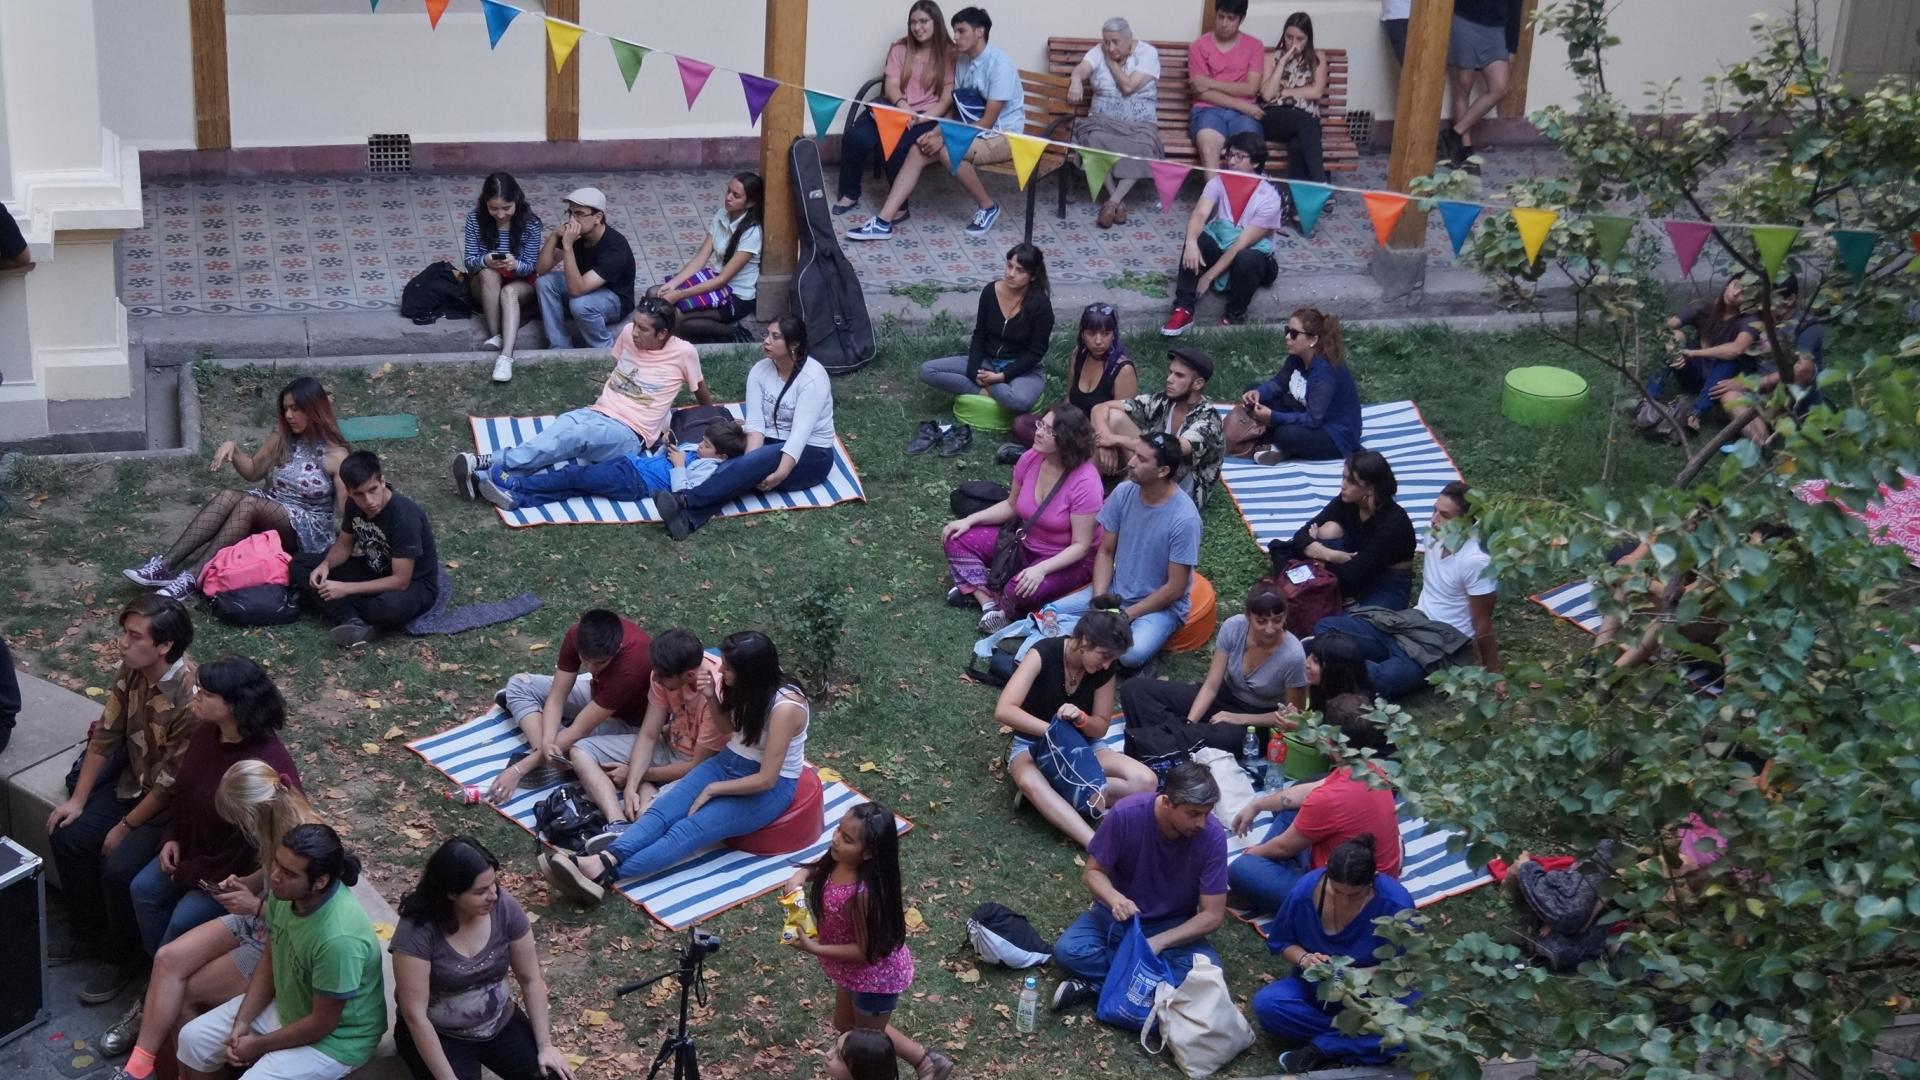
(1360, 127)
(389, 153)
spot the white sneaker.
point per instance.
(491, 343)
(503, 369)
(993, 620)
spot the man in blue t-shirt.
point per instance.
(987, 94)
(1162, 857)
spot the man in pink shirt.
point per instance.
(652, 367)
(1223, 72)
(1222, 243)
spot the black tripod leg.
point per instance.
(668, 1049)
(686, 1066)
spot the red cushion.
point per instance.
(797, 827)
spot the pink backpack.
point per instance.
(257, 560)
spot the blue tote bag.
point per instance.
(1071, 765)
(1126, 998)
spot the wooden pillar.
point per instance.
(1515, 101)
(563, 86)
(780, 124)
(1206, 16)
(207, 22)
(1416, 111)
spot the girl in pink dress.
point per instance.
(855, 893)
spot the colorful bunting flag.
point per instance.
(1308, 201)
(1610, 234)
(1773, 242)
(1239, 188)
(1167, 178)
(824, 108)
(693, 77)
(1026, 151)
(499, 17)
(1458, 217)
(628, 56)
(435, 9)
(958, 138)
(892, 124)
(561, 38)
(1534, 224)
(1688, 238)
(1856, 249)
(1097, 163)
(1384, 208)
(1914, 238)
(758, 91)
(376, 6)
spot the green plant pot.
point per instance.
(1542, 396)
(982, 413)
(1304, 760)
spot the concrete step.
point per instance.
(33, 770)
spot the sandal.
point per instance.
(563, 872)
(934, 1065)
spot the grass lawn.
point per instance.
(903, 726)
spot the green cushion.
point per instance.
(1542, 396)
(982, 413)
(359, 429)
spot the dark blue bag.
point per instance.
(1072, 765)
(1126, 998)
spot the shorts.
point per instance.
(1022, 747)
(990, 149)
(202, 1048)
(1228, 122)
(610, 744)
(868, 1003)
(250, 940)
(1473, 46)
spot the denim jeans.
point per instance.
(596, 313)
(1019, 394)
(1086, 948)
(1393, 672)
(583, 433)
(1267, 882)
(626, 478)
(164, 909)
(1150, 631)
(1291, 1009)
(665, 834)
(1392, 590)
(742, 475)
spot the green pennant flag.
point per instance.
(628, 56)
(824, 108)
(1772, 242)
(1611, 233)
(1856, 248)
(1097, 163)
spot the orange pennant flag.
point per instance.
(1385, 208)
(892, 124)
(435, 9)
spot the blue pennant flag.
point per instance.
(1308, 201)
(958, 138)
(1459, 218)
(499, 16)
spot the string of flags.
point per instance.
(1771, 243)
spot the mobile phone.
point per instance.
(208, 886)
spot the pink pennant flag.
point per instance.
(1688, 238)
(758, 91)
(693, 77)
(1167, 178)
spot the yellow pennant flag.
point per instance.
(562, 37)
(1026, 154)
(1534, 225)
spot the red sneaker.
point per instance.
(1177, 323)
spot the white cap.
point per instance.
(588, 196)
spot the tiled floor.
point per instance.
(256, 246)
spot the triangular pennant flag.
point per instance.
(1384, 208)
(1458, 217)
(958, 138)
(1688, 238)
(499, 17)
(1097, 163)
(1026, 151)
(1610, 234)
(824, 108)
(1534, 224)
(1239, 188)
(1308, 201)
(561, 38)
(435, 9)
(628, 56)
(376, 6)
(892, 124)
(1167, 178)
(758, 91)
(693, 77)
(1856, 248)
(1914, 239)
(1772, 242)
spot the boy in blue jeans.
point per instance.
(627, 478)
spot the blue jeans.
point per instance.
(1150, 631)
(1393, 672)
(1268, 882)
(1696, 376)
(1086, 948)
(583, 433)
(664, 835)
(742, 475)
(1290, 1009)
(163, 909)
(596, 313)
(629, 478)
(1228, 122)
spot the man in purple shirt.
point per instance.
(1162, 857)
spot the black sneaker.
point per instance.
(956, 440)
(1009, 453)
(1303, 1059)
(924, 437)
(1072, 993)
(351, 633)
(107, 983)
(672, 515)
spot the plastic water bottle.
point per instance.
(1276, 761)
(470, 795)
(1250, 754)
(1029, 1004)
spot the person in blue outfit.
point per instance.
(1163, 858)
(1330, 913)
(1311, 406)
(627, 478)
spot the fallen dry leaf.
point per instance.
(915, 920)
(970, 975)
(94, 691)
(369, 748)
(868, 766)
(393, 732)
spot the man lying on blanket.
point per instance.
(627, 478)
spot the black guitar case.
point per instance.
(825, 290)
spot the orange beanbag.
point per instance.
(797, 827)
(1203, 617)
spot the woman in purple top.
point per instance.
(1058, 541)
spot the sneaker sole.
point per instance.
(143, 580)
(463, 477)
(492, 493)
(1164, 332)
(348, 637)
(875, 236)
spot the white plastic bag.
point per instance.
(1198, 1021)
(1236, 788)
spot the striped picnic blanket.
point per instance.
(1275, 500)
(492, 434)
(1574, 603)
(697, 889)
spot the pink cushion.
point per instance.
(797, 827)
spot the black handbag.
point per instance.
(974, 496)
(1008, 557)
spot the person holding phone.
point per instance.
(502, 248)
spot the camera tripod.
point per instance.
(691, 972)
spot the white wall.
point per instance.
(146, 72)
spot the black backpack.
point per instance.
(257, 605)
(825, 290)
(566, 818)
(434, 293)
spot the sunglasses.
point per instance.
(1292, 333)
(1100, 309)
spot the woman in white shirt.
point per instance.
(790, 436)
(716, 288)
(1125, 75)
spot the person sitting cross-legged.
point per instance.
(627, 478)
(1162, 858)
(383, 570)
(1311, 406)
(598, 691)
(1225, 246)
(1181, 409)
(681, 730)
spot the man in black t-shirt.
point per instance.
(586, 270)
(383, 570)
(13, 245)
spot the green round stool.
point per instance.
(982, 413)
(1542, 396)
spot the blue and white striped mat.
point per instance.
(1275, 500)
(492, 434)
(1574, 603)
(703, 886)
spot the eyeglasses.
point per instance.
(1292, 333)
(581, 213)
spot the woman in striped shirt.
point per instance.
(502, 242)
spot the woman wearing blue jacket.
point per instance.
(1311, 406)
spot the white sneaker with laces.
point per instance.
(503, 369)
(491, 343)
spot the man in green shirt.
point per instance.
(315, 1007)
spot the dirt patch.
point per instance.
(55, 579)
